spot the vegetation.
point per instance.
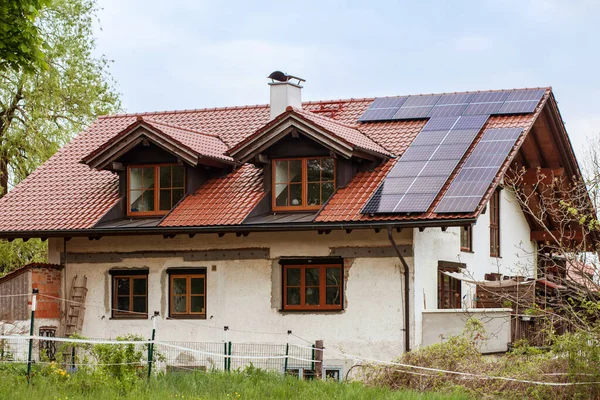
(55, 383)
(573, 359)
(40, 110)
(21, 42)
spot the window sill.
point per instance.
(467, 251)
(282, 311)
(187, 317)
(128, 318)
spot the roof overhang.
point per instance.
(285, 124)
(322, 227)
(141, 132)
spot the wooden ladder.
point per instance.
(76, 307)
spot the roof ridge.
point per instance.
(467, 91)
(184, 111)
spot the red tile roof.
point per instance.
(220, 201)
(64, 194)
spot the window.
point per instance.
(187, 290)
(449, 288)
(154, 190)
(130, 294)
(495, 224)
(312, 287)
(466, 238)
(302, 183)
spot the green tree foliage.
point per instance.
(17, 253)
(41, 111)
(21, 44)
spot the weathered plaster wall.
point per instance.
(518, 255)
(438, 325)
(242, 294)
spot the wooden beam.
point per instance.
(545, 236)
(541, 175)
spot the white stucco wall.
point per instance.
(239, 292)
(517, 255)
(439, 325)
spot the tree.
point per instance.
(21, 44)
(40, 111)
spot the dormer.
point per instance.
(305, 156)
(158, 164)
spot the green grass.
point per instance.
(253, 384)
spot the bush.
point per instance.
(572, 355)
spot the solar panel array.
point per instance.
(520, 101)
(480, 169)
(422, 171)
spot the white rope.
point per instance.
(72, 340)
(484, 377)
(306, 347)
(121, 342)
(15, 295)
(206, 353)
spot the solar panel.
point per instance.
(424, 168)
(454, 104)
(518, 107)
(479, 171)
(378, 114)
(447, 110)
(383, 109)
(521, 101)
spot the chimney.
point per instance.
(285, 91)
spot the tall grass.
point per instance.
(249, 384)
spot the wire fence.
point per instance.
(166, 356)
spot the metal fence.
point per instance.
(166, 356)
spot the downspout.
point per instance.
(406, 290)
(64, 284)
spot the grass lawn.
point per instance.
(195, 386)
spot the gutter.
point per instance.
(322, 227)
(406, 291)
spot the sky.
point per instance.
(186, 54)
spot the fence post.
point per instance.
(151, 345)
(31, 324)
(229, 359)
(319, 359)
(73, 357)
(225, 329)
(287, 353)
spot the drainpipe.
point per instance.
(406, 291)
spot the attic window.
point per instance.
(302, 183)
(154, 189)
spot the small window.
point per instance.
(187, 294)
(332, 373)
(466, 238)
(495, 224)
(449, 288)
(154, 190)
(302, 183)
(312, 287)
(130, 295)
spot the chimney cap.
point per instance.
(283, 77)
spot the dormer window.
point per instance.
(302, 183)
(154, 189)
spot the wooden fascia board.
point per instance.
(128, 142)
(280, 130)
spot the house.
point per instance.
(350, 221)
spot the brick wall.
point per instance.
(48, 282)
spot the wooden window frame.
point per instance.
(304, 184)
(322, 287)
(181, 273)
(129, 314)
(157, 211)
(495, 224)
(468, 246)
(455, 287)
